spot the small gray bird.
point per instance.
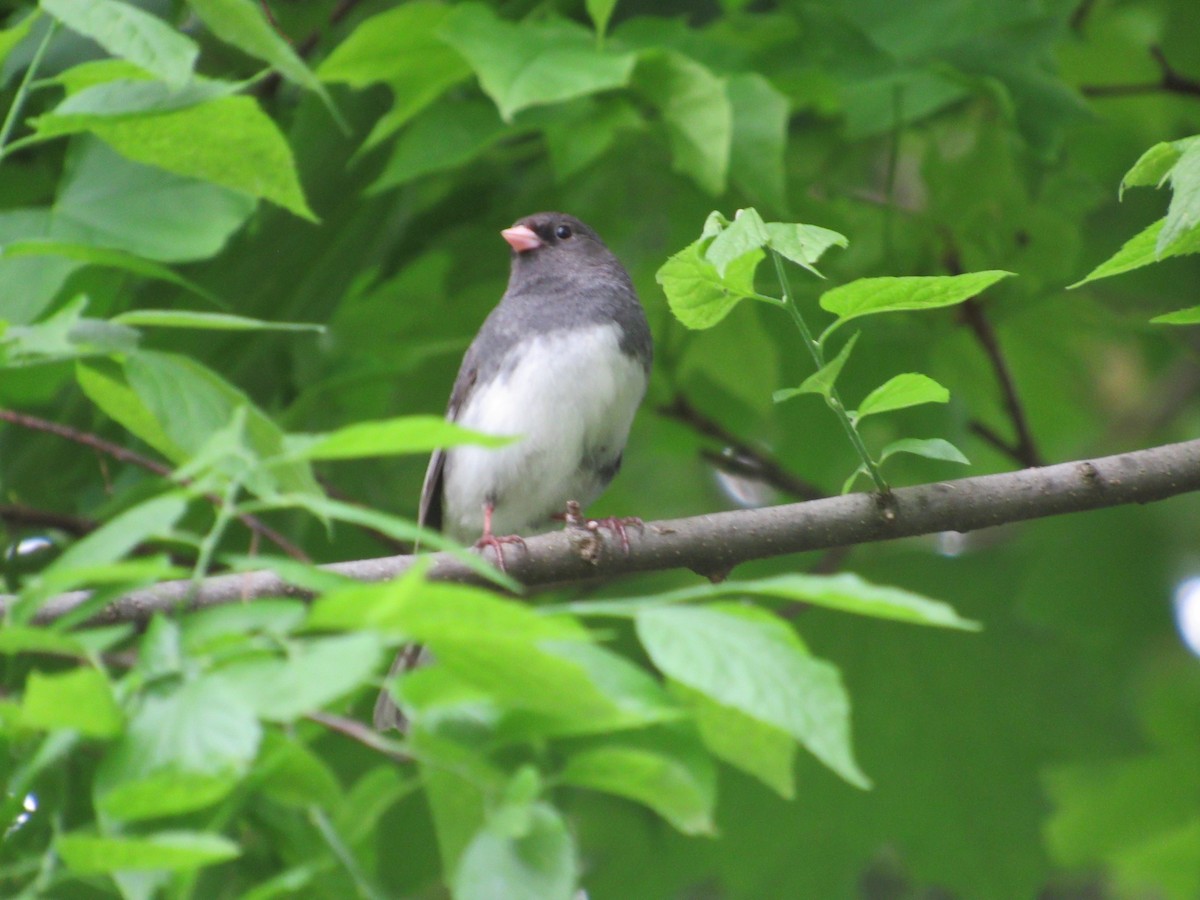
(562, 363)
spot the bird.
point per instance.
(562, 364)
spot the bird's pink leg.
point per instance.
(487, 539)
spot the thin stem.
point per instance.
(834, 400)
(14, 111)
(225, 513)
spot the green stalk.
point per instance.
(833, 400)
(23, 89)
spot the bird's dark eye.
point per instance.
(562, 232)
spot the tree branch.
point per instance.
(717, 542)
(256, 525)
(746, 459)
(1170, 82)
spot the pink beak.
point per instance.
(521, 238)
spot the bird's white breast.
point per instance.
(569, 396)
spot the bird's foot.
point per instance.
(619, 526)
(497, 542)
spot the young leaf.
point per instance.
(868, 296)
(821, 381)
(1155, 164)
(176, 851)
(186, 318)
(1189, 316)
(10, 37)
(697, 113)
(128, 32)
(80, 699)
(532, 63)
(930, 448)
(101, 256)
(803, 244)
(697, 294)
(753, 668)
(746, 234)
(1142, 250)
(846, 592)
(901, 392)
(104, 383)
(1183, 215)
(660, 769)
(536, 865)
(165, 793)
(392, 437)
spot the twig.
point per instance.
(363, 734)
(719, 541)
(124, 454)
(1170, 81)
(746, 459)
(1024, 451)
(28, 516)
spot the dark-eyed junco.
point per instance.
(561, 363)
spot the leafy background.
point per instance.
(349, 165)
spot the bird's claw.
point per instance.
(619, 526)
(497, 542)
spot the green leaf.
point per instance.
(446, 137)
(754, 668)
(400, 48)
(930, 448)
(1142, 250)
(698, 295)
(901, 392)
(202, 728)
(128, 32)
(1189, 316)
(532, 63)
(242, 24)
(186, 318)
(106, 200)
(103, 381)
(697, 113)
(10, 37)
(16, 639)
(600, 11)
(1153, 166)
(868, 296)
(192, 403)
(250, 155)
(172, 850)
(661, 769)
(1183, 215)
(80, 699)
(760, 120)
(119, 535)
(165, 793)
(313, 674)
(746, 234)
(823, 380)
(803, 244)
(758, 749)
(391, 437)
(98, 256)
(580, 132)
(536, 865)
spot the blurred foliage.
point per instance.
(248, 242)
